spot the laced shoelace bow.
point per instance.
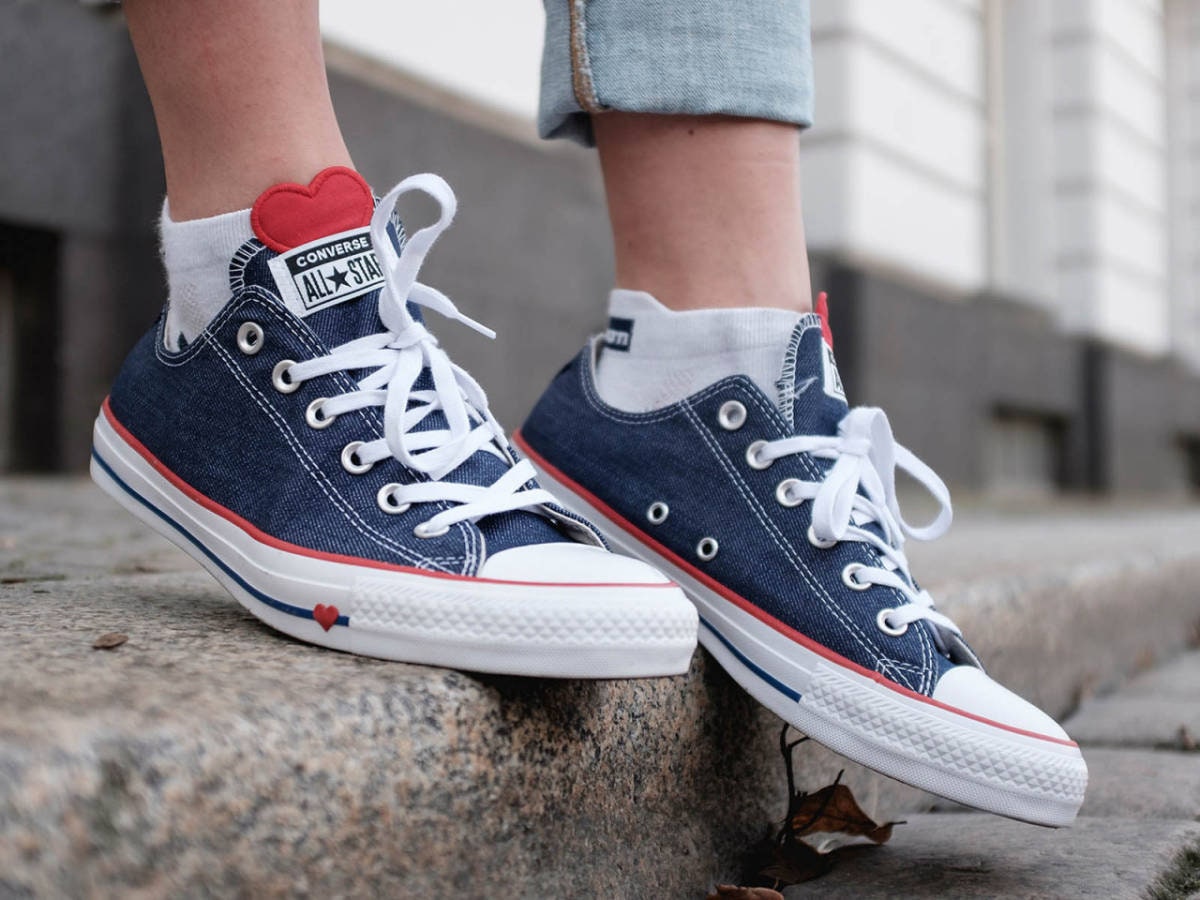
(860, 489)
(396, 359)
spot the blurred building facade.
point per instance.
(1002, 197)
(1045, 155)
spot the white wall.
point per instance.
(1016, 144)
(1183, 99)
(487, 50)
(1110, 141)
(894, 170)
(1023, 214)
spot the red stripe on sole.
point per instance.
(262, 537)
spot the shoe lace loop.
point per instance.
(396, 359)
(860, 489)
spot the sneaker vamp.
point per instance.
(504, 530)
(211, 417)
(357, 318)
(679, 456)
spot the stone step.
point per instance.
(1160, 708)
(208, 754)
(1142, 784)
(972, 856)
(1138, 833)
(1065, 601)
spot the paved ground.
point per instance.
(208, 755)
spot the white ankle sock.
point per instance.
(654, 356)
(196, 255)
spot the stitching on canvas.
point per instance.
(789, 552)
(301, 453)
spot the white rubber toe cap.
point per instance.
(569, 564)
(969, 689)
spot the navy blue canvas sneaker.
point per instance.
(322, 457)
(778, 516)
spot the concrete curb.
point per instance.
(1062, 603)
(970, 856)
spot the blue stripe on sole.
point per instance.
(298, 611)
(762, 673)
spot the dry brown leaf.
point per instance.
(834, 809)
(793, 861)
(733, 892)
(109, 641)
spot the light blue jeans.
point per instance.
(738, 57)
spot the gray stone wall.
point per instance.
(530, 254)
(947, 370)
(79, 195)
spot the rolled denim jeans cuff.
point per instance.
(734, 57)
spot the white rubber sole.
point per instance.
(929, 745)
(506, 627)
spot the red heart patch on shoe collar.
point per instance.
(822, 310)
(288, 215)
(326, 616)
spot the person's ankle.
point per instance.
(201, 189)
(690, 288)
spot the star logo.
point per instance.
(339, 277)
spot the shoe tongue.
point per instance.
(811, 396)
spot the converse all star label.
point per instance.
(327, 271)
(619, 335)
(831, 380)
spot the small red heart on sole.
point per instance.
(288, 215)
(326, 616)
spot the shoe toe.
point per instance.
(968, 689)
(565, 563)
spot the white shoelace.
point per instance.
(858, 489)
(397, 357)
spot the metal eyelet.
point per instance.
(752, 459)
(250, 338)
(881, 621)
(818, 543)
(657, 513)
(424, 531)
(277, 377)
(783, 492)
(732, 415)
(385, 500)
(707, 548)
(350, 461)
(850, 581)
(313, 416)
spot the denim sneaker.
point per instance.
(778, 515)
(319, 454)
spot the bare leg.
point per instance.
(705, 210)
(240, 97)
